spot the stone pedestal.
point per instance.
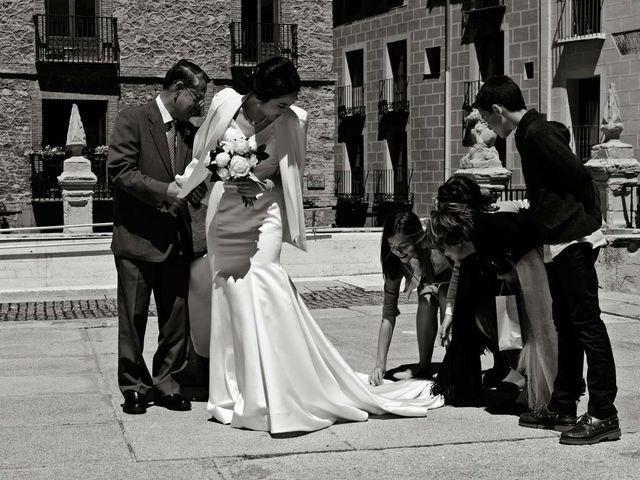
(77, 182)
(492, 180)
(615, 173)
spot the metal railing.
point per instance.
(392, 185)
(393, 95)
(350, 100)
(471, 89)
(76, 39)
(510, 193)
(470, 5)
(252, 43)
(579, 19)
(630, 196)
(45, 170)
(585, 137)
(350, 183)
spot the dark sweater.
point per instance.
(564, 203)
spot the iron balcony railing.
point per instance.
(45, 170)
(630, 196)
(471, 5)
(478, 6)
(585, 137)
(76, 39)
(392, 185)
(351, 183)
(579, 19)
(393, 95)
(350, 100)
(517, 192)
(252, 43)
(471, 89)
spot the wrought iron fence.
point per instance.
(585, 137)
(392, 185)
(518, 192)
(45, 169)
(469, 5)
(630, 196)
(351, 183)
(76, 39)
(579, 18)
(252, 43)
(393, 95)
(350, 100)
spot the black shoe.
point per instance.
(135, 403)
(175, 401)
(588, 430)
(546, 419)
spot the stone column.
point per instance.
(77, 180)
(613, 167)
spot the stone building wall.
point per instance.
(15, 139)
(16, 36)
(597, 58)
(422, 24)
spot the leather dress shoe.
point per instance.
(174, 401)
(135, 403)
(589, 430)
(547, 419)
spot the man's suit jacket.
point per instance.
(140, 169)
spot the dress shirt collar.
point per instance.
(166, 116)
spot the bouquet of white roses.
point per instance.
(235, 159)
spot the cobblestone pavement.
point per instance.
(332, 297)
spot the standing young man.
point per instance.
(152, 242)
(565, 207)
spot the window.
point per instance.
(59, 14)
(431, 62)
(55, 121)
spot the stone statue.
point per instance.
(75, 133)
(482, 154)
(612, 126)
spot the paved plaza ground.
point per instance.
(61, 416)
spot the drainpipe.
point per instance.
(447, 91)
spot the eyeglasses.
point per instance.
(199, 99)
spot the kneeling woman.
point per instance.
(405, 253)
(490, 247)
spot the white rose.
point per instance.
(207, 159)
(227, 147)
(239, 167)
(241, 147)
(223, 159)
(224, 174)
(253, 160)
(253, 145)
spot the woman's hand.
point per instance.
(444, 333)
(248, 187)
(511, 276)
(377, 375)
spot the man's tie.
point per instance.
(171, 141)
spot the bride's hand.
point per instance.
(376, 377)
(248, 187)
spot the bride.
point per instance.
(271, 367)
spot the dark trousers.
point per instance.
(576, 312)
(169, 282)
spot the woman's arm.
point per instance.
(384, 340)
(444, 333)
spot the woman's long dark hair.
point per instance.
(460, 189)
(408, 225)
(273, 78)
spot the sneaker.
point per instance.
(543, 418)
(589, 430)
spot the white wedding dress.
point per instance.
(271, 366)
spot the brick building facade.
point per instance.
(115, 53)
(390, 58)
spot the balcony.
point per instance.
(483, 9)
(579, 20)
(76, 39)
(393, 95)
(252, 43)
(585, 137)
(350, 101)
(351, 183)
